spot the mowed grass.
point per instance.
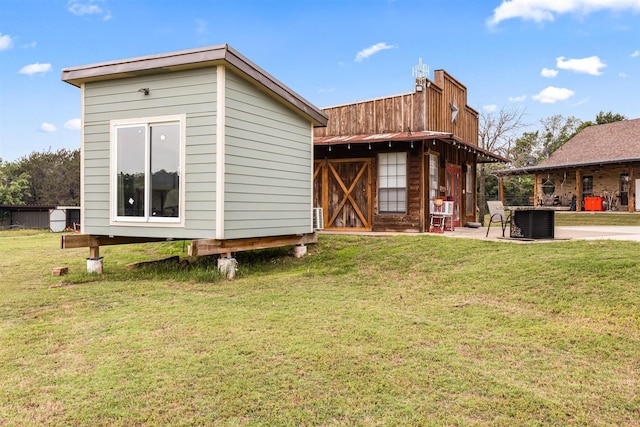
(597, 218)
(405, 330)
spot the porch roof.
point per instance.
(484, 156)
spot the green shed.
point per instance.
(194, 144)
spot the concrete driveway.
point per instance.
(562, 233)
(603, 232)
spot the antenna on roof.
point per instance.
(420, 73)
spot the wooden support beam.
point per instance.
(94, 252)
(154, 263)
(578, 190)
(215, 247)
(196, 248)
(72, 241)
(632, 192)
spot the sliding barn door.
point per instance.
(342, 188)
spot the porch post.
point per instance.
(324, 171)
(578, 190)
(501, 189)
(423, 189)
(633, 191)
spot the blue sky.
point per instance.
(545, 57)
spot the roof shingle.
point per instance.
(607, 143)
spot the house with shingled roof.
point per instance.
(600, 162)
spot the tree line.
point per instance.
(500, 133)
(41, 179)
(53, 178)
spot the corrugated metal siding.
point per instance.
(31, 219)
(190, 92)
(267, 167)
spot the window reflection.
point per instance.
(147, 167)
(130, 168)
(165, 163)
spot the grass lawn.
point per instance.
(597, 218)
(400, 331)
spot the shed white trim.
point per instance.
(220, 152)
(195, 58)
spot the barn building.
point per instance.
(380, 163)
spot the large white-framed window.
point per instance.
(392, 183)
(147, 160)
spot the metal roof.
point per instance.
(190, 59)
(484, 156)
(27, 208)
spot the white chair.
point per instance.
(441, 216)
(437, 217)
(448, 215)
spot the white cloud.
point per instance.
(622, 74)
(547, 10)
(551, 95)
(546, 72)
(47, 127)
(36, 68)
(6, 42)
(367, 52)
(520, 98)
(635, 54)
(87, 7)
(72, 124)
(201, 26)
(490, 108)
(590, 65)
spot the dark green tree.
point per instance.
(54, 177)
(14, 185)
(601, 119)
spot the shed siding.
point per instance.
(268, 161)
(190, 92)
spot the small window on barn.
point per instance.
(392, 183)
(147, 158)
